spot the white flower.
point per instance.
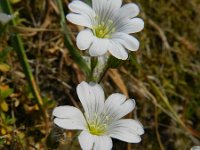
(4, 18)
(101, 119)
(108, 26)
(195, 148)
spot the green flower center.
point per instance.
(99, 124)
(101, 31)
(104, 30)
(97, 129)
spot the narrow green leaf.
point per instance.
(73, 51)
(17, 44)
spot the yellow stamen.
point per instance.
(103, 30)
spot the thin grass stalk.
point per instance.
(157, 130)
(73, 51)
(19, 48)
(168, 105)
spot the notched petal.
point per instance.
(117, 50)
(131, 26)
(128, 130)
(79, 19)
(67, 112)
(128, 11)
(80, 7)
(128, 41)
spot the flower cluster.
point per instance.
(108, 26)
(101, 119)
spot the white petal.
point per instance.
(127, 130)
(92, 98)
(105, 8)
(117, 50)
(98, 97)
(67, 112)
(115, 4)
(79, 19)
(73, 116)
(131, 26)
(126, 108)
(4, 18)
(116, 106)
(86, 140)
(129, 124)
(103, 143)
(70, 124)
(99, 47)
(80, 7)
(129, 42)
(97, 5)
(128, 11)
(84, 39)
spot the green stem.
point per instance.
(19, 48)
(73, 51)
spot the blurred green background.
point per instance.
(163, 76)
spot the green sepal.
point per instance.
(94, 62)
